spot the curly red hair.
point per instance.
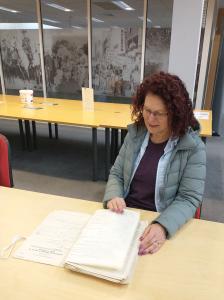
(171, 89)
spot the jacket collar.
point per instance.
(188, 141)
(136, 131)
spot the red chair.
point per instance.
(198, 213)
(5, 163)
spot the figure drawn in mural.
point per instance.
(115, 62)
(21, 62)
(117, 58)
(157, 50)
(26, 46)
(66, 67)
(66, 61)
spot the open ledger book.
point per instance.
(104, 244)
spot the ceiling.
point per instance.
(159, 13)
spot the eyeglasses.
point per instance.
(155, 114)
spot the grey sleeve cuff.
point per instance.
(169, 230)
(105, 204)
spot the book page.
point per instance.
(121, 276)
(53, 238)
(105, 240)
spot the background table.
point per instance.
(70, 112)
(58, 111)
(189, 266)
(62, 111)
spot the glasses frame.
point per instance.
(156, 114)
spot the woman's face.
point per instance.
(155, 116)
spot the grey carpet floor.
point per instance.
(64, 166)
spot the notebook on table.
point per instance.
(104, 244)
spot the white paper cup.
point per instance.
(26, 95)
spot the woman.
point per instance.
(162, 163)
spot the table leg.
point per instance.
(94, 146)
(123, 134)
(28, 135)
(34, 134)
(21, 133)
(114, 144)
(56, 130)
(107, 152)
(50, 130)
(203, 138)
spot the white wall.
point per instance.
(210, 26)
(185, 38)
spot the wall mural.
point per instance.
(66, 61)
(116, 60)
(157, 50)
(65, 55)
(21, 59)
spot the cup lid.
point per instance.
(26, 91)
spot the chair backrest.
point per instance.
(198, 213)
(5, 163)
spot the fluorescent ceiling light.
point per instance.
(12, 26)
(58, 7)
(46, 26)
(123, 5)
(8, 9)
(148, 20)
(77, 27)
(51, 21)
(157, 26)
(97, 20)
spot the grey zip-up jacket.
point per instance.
(179, 186)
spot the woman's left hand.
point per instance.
(152, 239)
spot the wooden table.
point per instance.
(120, 117)
(59, 111)
(205, 121)
(70, 112)
(189, 266)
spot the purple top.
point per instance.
(142, 189)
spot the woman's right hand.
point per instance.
(117, 205)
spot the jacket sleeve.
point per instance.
(115, 183)
(189, 195)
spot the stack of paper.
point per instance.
(104, 245)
